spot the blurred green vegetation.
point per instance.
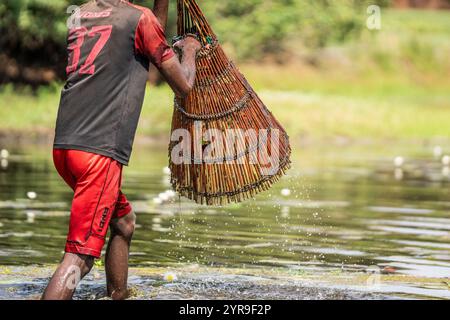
(255, 28)
(34, 31)
(389, 84)
(350, 82)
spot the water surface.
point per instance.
(350, 213)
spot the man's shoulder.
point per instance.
(147, 17)
(136, 15)
(141, 9)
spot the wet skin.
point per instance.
(117, 253)
(74, 267)
(69, 273)
(180, 76)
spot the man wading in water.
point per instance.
(109, 56)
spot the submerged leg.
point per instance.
(116, 263)
(70, 272)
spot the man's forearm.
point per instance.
(189, 67)
(161, 11)
(181, 74)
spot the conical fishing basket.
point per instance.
(226, 145)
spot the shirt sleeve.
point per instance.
(150, 40)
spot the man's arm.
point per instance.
(181, 77)
(150, 41)
(161, 9)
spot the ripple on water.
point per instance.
(412, 231)
(20, 253)
(28, 204)
(418, 267)
(430, 245)
(401, 210)
(422, 224)
(336, 251)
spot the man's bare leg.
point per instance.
(72, 269)
(117, 252)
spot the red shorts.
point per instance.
(96, 181)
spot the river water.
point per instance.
(347, 222)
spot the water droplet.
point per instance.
(399, 174)
(157, 220)
(399, 161)
(285, 212)
(4, 163)
(286, 192)
(31, 195)
(163, 196)
(4, 154)
(30, 216)
(437, 151)
(446, 160)
(170, 193)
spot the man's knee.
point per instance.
(89, 264)
(124, 226)
(83, 262)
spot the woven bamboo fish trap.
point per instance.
(223, 100)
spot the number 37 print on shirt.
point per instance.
(109, 53)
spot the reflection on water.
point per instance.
(339, 209)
